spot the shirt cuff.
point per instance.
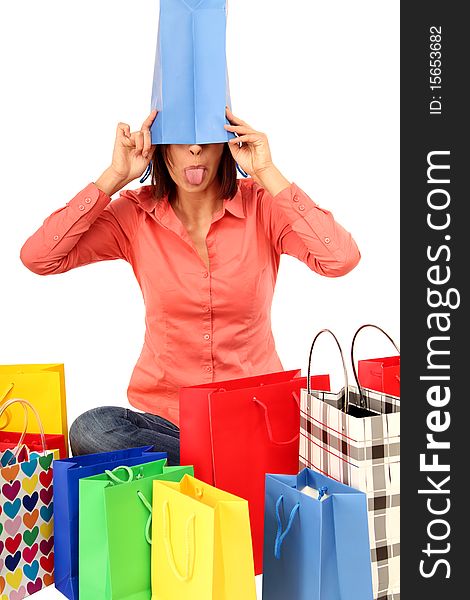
(294, 201)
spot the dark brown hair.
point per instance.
(163, 184)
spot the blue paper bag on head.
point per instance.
(190, 86)
(67, 473)
(316, 542)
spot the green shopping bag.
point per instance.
(114, 530)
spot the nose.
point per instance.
(195, 149)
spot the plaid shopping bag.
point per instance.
(353, 436)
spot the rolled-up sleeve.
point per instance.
(297, 226)
(84, 231)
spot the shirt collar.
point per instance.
(143, 197)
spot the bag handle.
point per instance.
(281, 535)
(353, 362)
(17, 450)
(345, 371)
(268, 422)
(26, 404)
(148, 506)
(5, 393)
(116, 479)
(190, 544)
(26, 418)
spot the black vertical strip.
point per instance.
(424, 131)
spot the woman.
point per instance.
(205, 249)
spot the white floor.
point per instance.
(51, 593)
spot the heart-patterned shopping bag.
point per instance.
(26, 520)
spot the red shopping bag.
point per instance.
(381, 374)
(378, 374)
(236, 431)
(10, 440)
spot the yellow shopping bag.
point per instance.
(44, 386)
(202, 548)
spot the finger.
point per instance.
(233, 119)
(251, 137)
(133, 140)
(124, 129)
(239, 128)
(124, 138)
(149, 120)
(139, 141)
(147, 142)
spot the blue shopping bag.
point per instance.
(67, 473)
(190, 85)
(316, 542)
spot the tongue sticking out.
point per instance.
(195, 176)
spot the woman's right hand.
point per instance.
(132, 151)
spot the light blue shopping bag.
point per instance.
(316, 542)
(190, 85)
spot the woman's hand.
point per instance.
(132, 151)
(254, 155)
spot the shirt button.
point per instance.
(295, 199)
(87, 200)
(56, 237)
(205, 275)
(208, 369)
(327, 240)
(301, 207)
(207, 336)
(207, 308)
(81, 207)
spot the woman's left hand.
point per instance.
(254, 155)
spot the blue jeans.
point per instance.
(109, 428)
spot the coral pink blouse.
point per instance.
(201, 325)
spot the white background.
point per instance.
(320, 78)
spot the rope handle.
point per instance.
(345, 371)
(25, 426)
(190, 544)
(148, 506)
(116, 479)
(281, 535)
(146, 173)
(268, 422)
(25, 404)
(353, 362)
(26, 420)
(241, 171)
